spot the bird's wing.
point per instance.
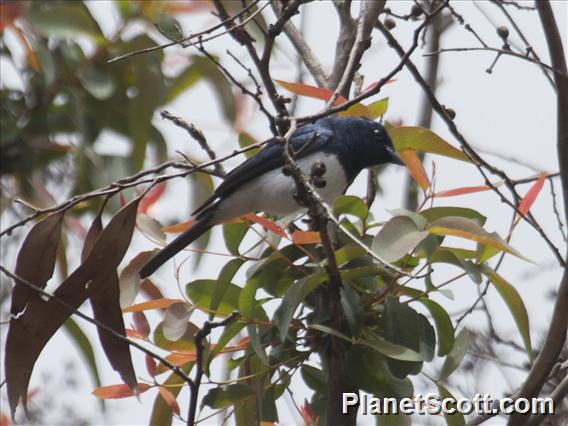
(306, 140)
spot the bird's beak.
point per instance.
(395, 158)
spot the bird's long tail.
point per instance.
(204, 223)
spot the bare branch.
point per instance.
(344, 42)
(476, 159)
(196, 134)
(308, 57)
(368, 15)
(556, 335)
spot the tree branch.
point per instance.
(556, 335)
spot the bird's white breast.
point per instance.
(272, 192)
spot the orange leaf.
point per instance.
(178, 359)
(133, 334)
(184, 226)
(463, 190)
(311, 91)
(169, 399)
(267, 224)
(119, 391)
(415, 167)
(306, 237)
(151, 197)
(528, 200)
(152, 304)
(179, 227)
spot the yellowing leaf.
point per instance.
(415, 167)
(471, 230)
(423, 140)
(378, 108)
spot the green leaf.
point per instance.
(350, 204)
(234, 234)
(98, 81)
(184, 343)
(397, 237)
(254, 332)
(245, 139)
(456, 355)
(378, 108)
(63, 19)
(515, 304)
(294, 296)
(162, 414)
(347, 253)
(86, 349)
(230, 332)
(405, 327)
(184, 81)
(424, 140)
(218, 398)
(370, 373)
(351, 304)
(223, 282)
(444, 327)
(247, 300)
(314, 378)
(389, 349)
(200, 292)
(456, 418)
(435, 213)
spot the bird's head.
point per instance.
(365, 143)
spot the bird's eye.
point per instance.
(376, 132)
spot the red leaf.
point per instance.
(170, 399)
(311, 91)
(122, 200)
(150, 365)
(306, 237)
(152, 197)
(376, 83)
(151, 290)
(267, 224)
(528, 200)
(463, 190)
(118, 391)
(141, 323)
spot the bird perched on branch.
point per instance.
(334, 149)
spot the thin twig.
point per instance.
(198, 135)
(475, 158)
(492, 49)
(203, 332)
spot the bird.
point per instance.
(340, 147)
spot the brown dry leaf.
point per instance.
(29, 334)
(35, 263)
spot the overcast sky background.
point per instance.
(511, 111)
